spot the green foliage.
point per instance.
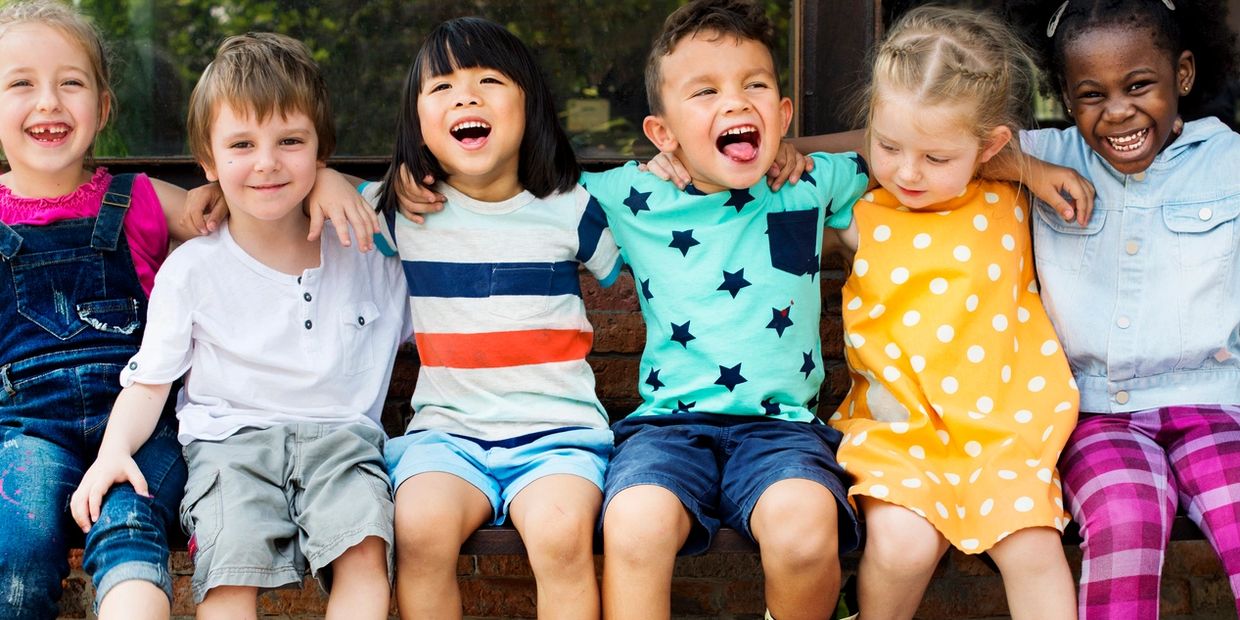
(588, 48)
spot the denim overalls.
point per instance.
(72, 312)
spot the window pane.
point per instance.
(592, 50)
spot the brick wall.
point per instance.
(721, 586)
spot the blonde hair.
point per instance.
(263, 73)
(77, 28)
(941, 55)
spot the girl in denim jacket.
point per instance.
(1146, 296)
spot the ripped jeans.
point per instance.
(51, 424)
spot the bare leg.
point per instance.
(360, 582)
(796, 525)
(135, 600)
(1036, 576)
(555, 516)
(643, 528)
(902, 550)
(435, 513)
(229, 603)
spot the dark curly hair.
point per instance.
(1199, 26)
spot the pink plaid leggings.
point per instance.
(1124, 476)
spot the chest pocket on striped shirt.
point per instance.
(520, 292)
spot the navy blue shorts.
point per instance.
(719, 465)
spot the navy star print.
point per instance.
(779, 320)
(809, 178)
(683, 407)
(862, 169)
(680, 333)
(646, 290)
(730, 377)
(813, 402)
(637, 201)
(683, 240)
(653, 380)
(769, 407)
(738, 198)
(808, 365)
(733, 282)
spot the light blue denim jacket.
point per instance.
(1146, 297)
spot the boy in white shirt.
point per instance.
(290, 343)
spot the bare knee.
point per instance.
(643, 523)
(426, 538)
(796, 525)
(560, 536)
(900, 551)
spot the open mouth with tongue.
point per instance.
(49, 133)
(740, 144)
(471, 134)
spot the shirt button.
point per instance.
(1132, 247)
(361, 320)
(307, 297)
(1123, 322)
(1121, 398)
(1138, 177)
(309, 324)
(1205, 214)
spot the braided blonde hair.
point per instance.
(941, 55)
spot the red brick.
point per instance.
(504, 566)
(1193, 558)
(744, 597)
(621, 295)
(618, 332)
(730, 566)
(1175, 596)
(1211, 594)
(507, 598)
(696, 597)
(615, 377)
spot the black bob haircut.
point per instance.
(546, 163)
(1199, 26)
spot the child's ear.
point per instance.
(1185, 72)
(208, 170)
(660, 134)
(785, 112)
(105, 110)
(998, 138)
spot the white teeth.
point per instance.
(52, 130)
(1129, 142)
(470, 125)
(736, 131)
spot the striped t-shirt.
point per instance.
(498, 318)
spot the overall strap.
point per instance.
(10, 241)
(109, 223)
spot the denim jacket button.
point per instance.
(1121, 397)
(1138, 177)
(1205, 214)
(1123, 322)
(1132, 247)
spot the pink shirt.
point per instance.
(146, 229)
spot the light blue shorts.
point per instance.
(501, 469)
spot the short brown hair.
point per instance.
(740, 19)
(264, 73)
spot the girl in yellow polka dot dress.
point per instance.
(961, 399)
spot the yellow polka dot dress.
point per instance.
(961, 397)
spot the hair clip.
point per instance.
(1054, 23)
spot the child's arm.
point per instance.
(133, 419)
(1064, 189)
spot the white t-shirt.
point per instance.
(264, 348)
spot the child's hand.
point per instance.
(1064, 189)
(335, 198)
(205, 208)
(789, 165)
(109, 469)
(667, 167)
(416, 199)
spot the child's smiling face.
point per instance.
(473, 122)
(1124, 94)
(51, 107)
(722, 112)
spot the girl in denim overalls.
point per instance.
(78, 254)
(1146, 297)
